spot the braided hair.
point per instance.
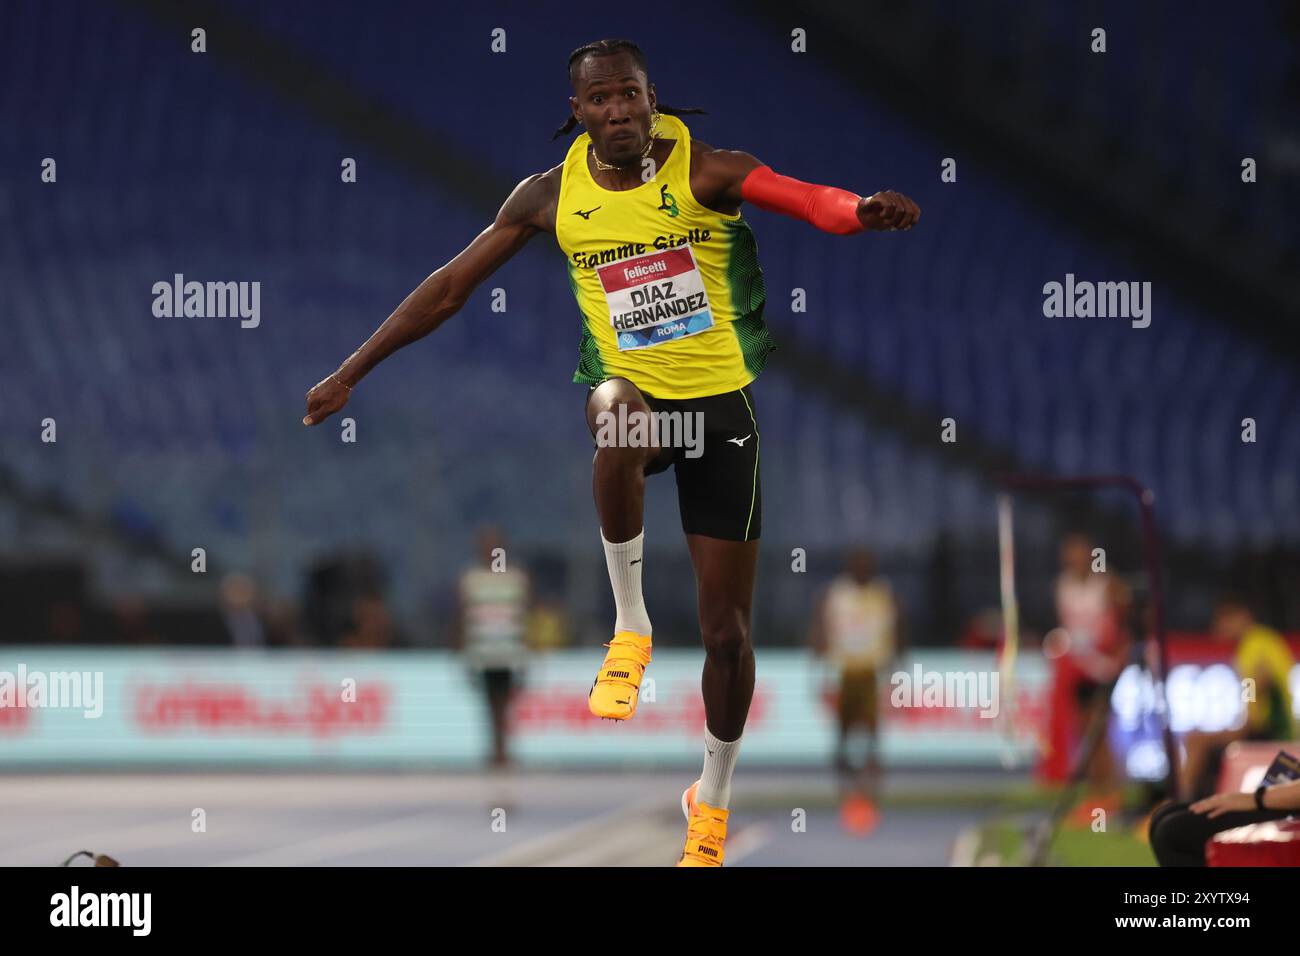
(606, 48)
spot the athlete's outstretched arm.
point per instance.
(442, 294)
(730, 177)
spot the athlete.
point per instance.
(1262, 656)
(1091, 607)
(665, 272)
(491, 621)
(855, 626)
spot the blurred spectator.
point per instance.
(492, 608)
(66, 622)
(855, 626)
(983, 631)
(1089, 649)
(239, 611)
(1262, 657)
(130, 622)
(282, 625)
(371, 626)
(335, 584)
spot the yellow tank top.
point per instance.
(1262, 651)
(671, 293)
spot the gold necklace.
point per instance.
(645, 153)
(607, 166)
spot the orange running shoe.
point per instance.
(706, 831)
(859, 815)
(617, 687)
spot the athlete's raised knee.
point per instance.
(622, 422)
(606, 398)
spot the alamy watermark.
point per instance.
(638, 429)
(75, 908)
(59, 690)
(1102, 300)
(209, 300)
(922, 688)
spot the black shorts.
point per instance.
(719, 493)
(497, 683)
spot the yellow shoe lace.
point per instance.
(622, 649)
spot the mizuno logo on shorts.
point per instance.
(740, 442)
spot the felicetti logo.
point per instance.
(317, 709)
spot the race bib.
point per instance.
(655, 298)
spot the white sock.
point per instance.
(719, 761)
(624, 562)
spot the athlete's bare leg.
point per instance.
(871, 787)
(618, 486)
(858, 779)
(618, 473)
(724, 580)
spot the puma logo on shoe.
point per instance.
(740, 442)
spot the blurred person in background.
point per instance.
(371, 626)
(855, 628)
(1262, 656)
(493, 599)
(343, 601)
(1090, 650)
(983, 631)
(1179, 831)
(283, 626)
(131, 623)
(239, 611)
(66, 622)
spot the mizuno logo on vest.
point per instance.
(585, 215)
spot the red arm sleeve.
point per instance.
(826, 207)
